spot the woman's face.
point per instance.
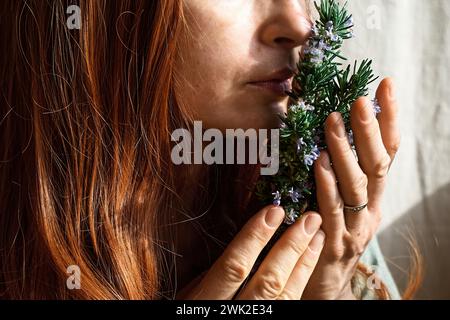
(237, 59)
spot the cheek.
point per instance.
(209, 65)
(212, 87)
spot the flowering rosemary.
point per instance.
(320, 87)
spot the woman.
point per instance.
(86, 175)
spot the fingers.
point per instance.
(388, 117)
(303, 269)
(330, 202)
(352, 181)
(233, 267)
(273, 274)
(372, 155)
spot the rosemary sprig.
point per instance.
(321, 86)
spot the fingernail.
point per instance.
(339, 128)
(312, 223)
(274, 217)
(317, 242)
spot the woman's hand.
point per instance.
(359, 181)
(284, 272)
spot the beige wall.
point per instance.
(410, 41)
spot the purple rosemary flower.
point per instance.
(301, 105)
(315, 31)
(350, 137)
(313, 156)
(329, 26)
(306, 107)
(322, 45)
(349, 23)
(290, 217)
(376, 106)
(333, 37)
(294, 194)
(276, 198)
(317, 55)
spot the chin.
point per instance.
(252, 114)
(261, 120)
(269, 117)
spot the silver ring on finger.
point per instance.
(354, 209)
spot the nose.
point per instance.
(287, 24)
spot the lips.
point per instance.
(275, 86)
(277, 83)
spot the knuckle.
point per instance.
(347, 152)
(335, 252)
(298, 246)
(359, 185)
(257, 235)
(338, 207)
(382, 167)
(269, 286)
(308, 263)
(395, 146)
(354, 245)
(356, 249)
(287, 295)
(235, 269)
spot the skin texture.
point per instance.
(229, 43)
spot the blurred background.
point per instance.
(409, 40)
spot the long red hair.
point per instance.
(85, 172)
